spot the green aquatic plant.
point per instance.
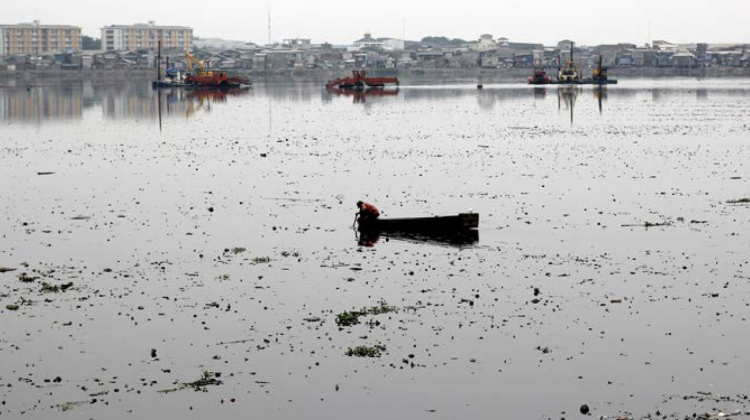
(53, 288)
(346, 319)
(382, 308)
(71, 405)
(365, 351)
(25, 278)
(349, 318)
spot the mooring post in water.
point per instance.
(158, 63)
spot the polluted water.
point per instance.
(190, 254)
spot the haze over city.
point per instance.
(339, 21)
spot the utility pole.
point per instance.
(269, 24)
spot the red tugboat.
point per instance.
(216, 79)
(206, 78)
(540, 77)
(360, 81)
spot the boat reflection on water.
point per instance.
(460, 238)
(600, 94)
(360, 96)
(188, 102)
(568, 95)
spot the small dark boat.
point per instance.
(461, 222)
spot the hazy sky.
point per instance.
(343, 21)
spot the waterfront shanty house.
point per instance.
(431, 57)
(727, 58)
(35, 38)
(110, 60)
(146, 36)
(259, 61)
(489, 59)
(623, 59)
(219, 44)
(328, 52)
(665, 46)
(19, 62)
(58, 62)
(282, 58)
(645, 57)
(564, 45)
(297, 43)
(523, 60)
(87, 61)
(608, 52)
(509, 49)
(683, 59)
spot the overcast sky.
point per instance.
(342, 21)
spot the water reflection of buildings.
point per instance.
(44, 103)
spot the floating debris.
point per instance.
(207, 379)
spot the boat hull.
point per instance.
(461, 222)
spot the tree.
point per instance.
(89, 43)
(442, 41)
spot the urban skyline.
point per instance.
(638, 23)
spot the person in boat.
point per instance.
(367, 212)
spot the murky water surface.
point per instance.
(211, 232)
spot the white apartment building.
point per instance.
(146, 36)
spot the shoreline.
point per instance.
(471, 75)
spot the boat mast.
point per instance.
(572, 45)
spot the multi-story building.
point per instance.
(387, 44)
(35, 38)
(146, 36)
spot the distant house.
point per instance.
(645, 57)
(666, 46)
(386, 44)
(282, 58)
(260, 61)
(565, 45)
(683, 59)
(300, 43)
(608, 52)
(519, 47)
(486, 43)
